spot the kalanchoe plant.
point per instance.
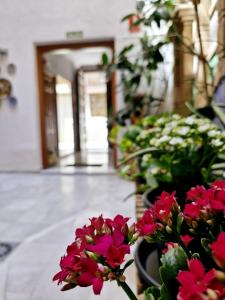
(195, 262)
(172, 150)
(192, 263)
(97, 255)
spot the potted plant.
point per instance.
(192, 263)
(174, 153)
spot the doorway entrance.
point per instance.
(76, 103)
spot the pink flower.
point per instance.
(195, 282)
(101, 245)
(97, 253)
(218, 250)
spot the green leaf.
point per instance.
(172, 261)
(105, 59)
(127, 17)
(126, 49)
(165, 294)
(220, 166)
(138, 21)
(136, 154)
(151, 180)
(152, 293)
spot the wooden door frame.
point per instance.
(72, 45)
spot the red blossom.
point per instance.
(116, 255)
(218, 184)
(186, 239)
(196, 193)
(157, 216)
(206, 203)
(97, 223)
(163, 206)
(218, 250)
(97, 253)
(193, 210)
(195, 282)
(146, 225)
(90, 275)
(169, 246)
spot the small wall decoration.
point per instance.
(11, 69)
(5, 88)
(5, 84)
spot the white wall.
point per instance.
(24, 23)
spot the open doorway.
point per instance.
(74, 128)
(64, 107)
(93, 117)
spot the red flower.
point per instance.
(97, 253)
(146, 225)
(164, 205)
(206, 203)
(169, 246)
(196, 193)
(218, 250)
(158, 216)
(90, 275)
(186, 239)
(97, 223)
(218, 184)
(193, 210)
(116, 255)
(195, 282)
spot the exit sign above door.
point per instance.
(74, 35)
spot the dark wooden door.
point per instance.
(51, 129)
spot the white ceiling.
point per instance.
(83, 57)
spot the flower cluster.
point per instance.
(97, 253)
(173, 150)
(157, 220)
(193, 263)
(199, 230)
(206, 205)
(175, 132)
(198, 284)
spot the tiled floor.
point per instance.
(40, 213)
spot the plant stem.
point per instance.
(202, 57)
(127, 290)
(181, 243)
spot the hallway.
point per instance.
(38, 215)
